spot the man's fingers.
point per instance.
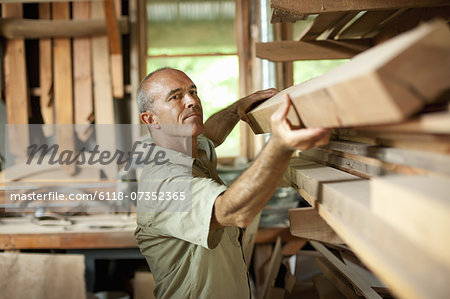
(282, 111)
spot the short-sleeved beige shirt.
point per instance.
(186, 257)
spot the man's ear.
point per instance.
(150, 118)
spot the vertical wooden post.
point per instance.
(242, 27)
(62, 85)
(46, 74)
(103, 97)
(115, 47)
(82, 71)
(16, 86)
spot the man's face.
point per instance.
(175, 102)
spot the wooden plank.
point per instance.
(365, 24)
(332, 32)
(321, 23)
(430, 161)
(16, 86)
(408, 270)
(82, 72)
(32, 29)
(410, 19)
(361, 285)
(380, 75)
(306, 223)
(280, 16)
(423, 142)
(62, 64)
(311, 50)
(244, 46)
(134, 65)
(341, 283)
(115, 47)
(429, 123)
(417, 206)
(62, 85)
(103, 97)
(274, 266)
(142, 24)
(315, 7)
(46, 74)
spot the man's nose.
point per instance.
(191, 101)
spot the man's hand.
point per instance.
(244, 105)
(287, 138)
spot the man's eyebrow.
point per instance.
(174, 91)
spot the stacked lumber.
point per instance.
(76, 74)
(380, 86)
(69, 62)
(381, 185)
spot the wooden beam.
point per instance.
(433, 143)
(337, 27)
(46, 74)
(365, 24)
(115, 48)
(418, 207)
(103, 97)
(16, 86)
(135, 78)
(306, 223)
(410, 19)
(381, 75)
(62, 85)
(360, 284)
(280, 16)
(317, 7)
(35, 29)
(82, 72)
(439, 163)
(320, 24)
(244, 47)
(62, 63)
(429, 123)
(311, 50)
(343, 201)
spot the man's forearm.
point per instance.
(220, 124)
(253, 189)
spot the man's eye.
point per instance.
(193, 92)
(175, 97)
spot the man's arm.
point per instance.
(220, 124)
(240, 203)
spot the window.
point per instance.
(198, 38)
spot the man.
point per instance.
(195, 251)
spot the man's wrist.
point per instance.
(279, 147)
